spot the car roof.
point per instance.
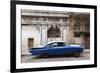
(56, 42)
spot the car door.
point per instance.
(55, 49)
(52, 49)
(59, 50)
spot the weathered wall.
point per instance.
(29, 31)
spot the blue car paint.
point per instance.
(56, 50)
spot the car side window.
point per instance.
(52, 45)
(61, 44)
(49, 45)
(55, 44)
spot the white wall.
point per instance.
(30, 31)
(5, 37)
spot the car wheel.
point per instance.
(77, 54)
(45, 55)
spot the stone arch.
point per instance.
(53, 32)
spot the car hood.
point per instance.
(36, 48)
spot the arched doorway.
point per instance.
(53, 33)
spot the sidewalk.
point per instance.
(86, 50)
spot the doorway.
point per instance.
(30, 43)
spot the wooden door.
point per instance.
(87, 43)
(30, 42)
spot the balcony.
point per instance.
(81, 29)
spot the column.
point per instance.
(43, 35)
(64, 34)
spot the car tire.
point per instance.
(45, 55)
(77, 54)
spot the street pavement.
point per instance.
(32, 59)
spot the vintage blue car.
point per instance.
(57, 48)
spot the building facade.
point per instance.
(40, 27)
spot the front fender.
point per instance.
(36, 52)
